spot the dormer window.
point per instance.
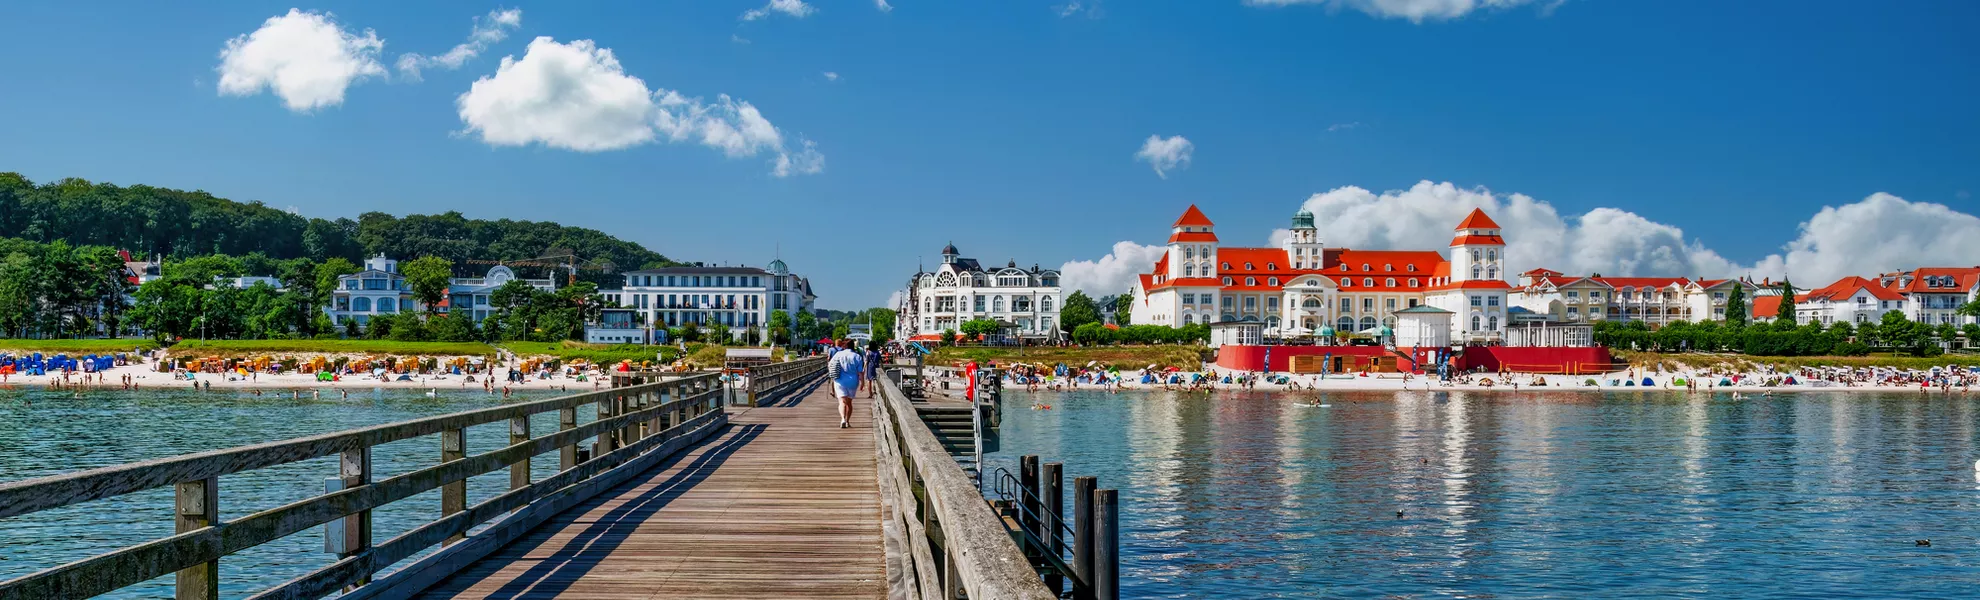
(1368, 281)
(1389, 267)
(1412, 282)
(1227, 266)
(1391, 282)
(1227, 281)
(1273, 281)
(1248, 267)
(1251, 281)
(1364, 268)
(1347, 282)
(1410, 268)
(1271, 266)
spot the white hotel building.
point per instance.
(1304, 288)
(738, 297)
(960, 289)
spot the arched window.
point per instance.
(1391, 282)
(1368, 282)
(1227, 266)
(1045, 303)
(1368, 323)
(1272, 281)
(1494, 323)
(1492, 254)
(1227, 281)
(1412, 282)
(1347, 282)
(1189, 270)
(997, 304)
(1410, 268)
(386, 305)
(360, 304)
(1389, 267)
(1251, 281)
(1271, 266)
(1248, 267)
(1310, 302)
(1189, 319)
(1474, 254)
(1345, 325)
(1474, 322)
(1272, 322)
(1364, 267)
(1189, 252)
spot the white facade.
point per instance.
(961, 289)
(1423, 327)
(472, 294)
(378, 290)
(1934, 294)
(737, 297)
(1654, 300)
(1303, 288)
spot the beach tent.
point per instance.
(1648, 383)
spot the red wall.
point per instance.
(1574, 361)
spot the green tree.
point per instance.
(780, 327)
(979, 327)
(406, 326)
(949, 336)
(1078, 310)
(1123, 309)
(718, 333)
(1787, 303)
(351, 329)
(428, 277)
(1736, 304)
(455, 326)
(1972, 333)
(1970, 309)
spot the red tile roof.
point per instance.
(1847, 288)
(1540, 273)
(1478, 240)
(1474, 285)
(1965, 278)
(1193, 236)
(1766, 307)
(1642, 282)
(1193, 218)
(1477, 220)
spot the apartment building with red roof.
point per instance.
(1933, 295)
(1303, 288)
(1654, 300)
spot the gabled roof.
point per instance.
(1193, 218)
(1477, 220)
(1847, 287)
(1193, 236)
(1766, 307)
(1541, 272)
(1964, 279)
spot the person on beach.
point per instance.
(872, 368)
(847, 370)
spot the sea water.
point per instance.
(1524, 495)
(48, 433)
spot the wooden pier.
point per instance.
(681, 486)
(782, 505)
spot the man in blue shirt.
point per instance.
(847, 370)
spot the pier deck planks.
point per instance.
(783, 504)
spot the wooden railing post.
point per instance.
(354, 467)
(1107, 545)
(623, 404)
(1082, 563)
(519, 472)
(1028, 504)
(603, 443)
(567, 456)
(197, 505)
(453, 495)
(1052, 478)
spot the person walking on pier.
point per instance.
(847, 370)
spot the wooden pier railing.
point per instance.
(942, 535)
(636, 427)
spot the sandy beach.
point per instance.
(145, 377)
(1396, 382)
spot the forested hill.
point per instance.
(176, 223)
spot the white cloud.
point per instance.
(1112, 274)
(1413, 10)
(883, 6)
(831, 75)
(573, 96)
(806, 161)
(1880, 233)
(305, 58)
(1343, 126)
(794, 8)
(1166, 154)
(577, 96)
(487, 31)
(895, 299)
(738, 39)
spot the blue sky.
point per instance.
(1681, 137)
